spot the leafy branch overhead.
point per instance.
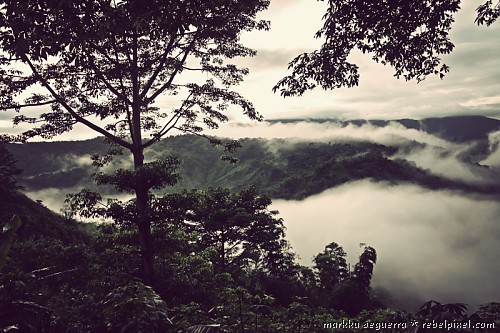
(410, 36)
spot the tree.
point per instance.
(488, 13)
(354, 294)
(8, 170)
(239, 226)
(115, 61)
(363, 271)
(410, 36)
(342, 289)
(331, 266)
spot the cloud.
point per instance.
(267, 59)
(71, 161)
(450, 164)
(493, 159)
(53, 198)
(474, 73)
(441, 157)
(491, 101)
(431, 245)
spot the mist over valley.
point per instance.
(424, 193)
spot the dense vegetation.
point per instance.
(278, 168)
(202, 260)
(223, 265)
(63, 277)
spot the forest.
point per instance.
(210, 255)
(222, 260)
(280, 168)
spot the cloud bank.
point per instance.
(431, 244)
(457, 161)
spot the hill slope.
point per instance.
(38, 221)
(277, 167)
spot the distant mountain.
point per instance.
(277, 167)
(456, 129)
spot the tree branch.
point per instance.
(158, 68)
(27, 105)
(107, 84)
(115, 48)
(72, 112)
(41, 132)
(166, 128)
(174, 73)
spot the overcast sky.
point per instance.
(472, 86)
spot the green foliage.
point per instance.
(210, 328)
(433, 310)
(20, 302)
(153, 175)
(113, 60)
(125, 55)
(363, 270)
(74, 286)
(339, 288)
(487, 313)
(409, 36)
(7, 232)
(8, 170)
(487, 13)
(39, 221)
(238, 226)
(275, 167)
(331, 266)
(133, 308)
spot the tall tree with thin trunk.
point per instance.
(116, 66)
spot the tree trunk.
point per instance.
(144, 224)
(141, 189)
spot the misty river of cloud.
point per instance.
(439, 245)
(431, 244)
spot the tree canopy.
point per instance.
(8, 170)
(113, 59)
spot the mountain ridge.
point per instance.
(454, 128)
(279, 168)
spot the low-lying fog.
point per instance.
(444, 158)
(439, 245)
(431, 244)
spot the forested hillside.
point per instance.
(278, 167)
(171, 225)
(223, 265)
